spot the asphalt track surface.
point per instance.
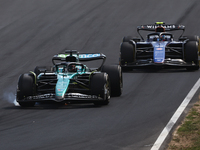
(31, 32)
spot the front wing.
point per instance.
(176, 63)
(69, 98)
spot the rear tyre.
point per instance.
(128, 38)
(26, 87)
(116, 81)
(191, 54)
(38, 69)
(193, 38)
(127, 55)
(100, 86)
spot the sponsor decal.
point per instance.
(44, 96)
(63, 55)
(77, 95)
(159, 45)
(159, 49)
(164, 26)
(88, 55)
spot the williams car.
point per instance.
(159, 49)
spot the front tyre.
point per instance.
(100, 86)
(26, 87)
(116, 81)
(127, 55)
(191, 55)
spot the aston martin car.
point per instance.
(70, 81)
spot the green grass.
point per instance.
(191, 124)
(189, 131)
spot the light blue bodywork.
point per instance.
(159, 51)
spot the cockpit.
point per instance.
(164, 36)
(69, 68)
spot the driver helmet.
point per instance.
(72, 68)
(155, 39)
(162, 37)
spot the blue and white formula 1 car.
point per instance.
(160, 49)
(69, 81)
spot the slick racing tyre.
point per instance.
(195, 38)
(116, 81)
(128, 38)
(100, 86)
(39, 69)
(127, 55)
(26, 87)
(191, 54)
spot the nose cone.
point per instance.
(59, 97)
(61, 87)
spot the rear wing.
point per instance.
(167, 27)
(71, 55)
(75, 56)
(91, 56)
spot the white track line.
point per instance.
(175, 117)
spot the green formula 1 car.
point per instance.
(69, 81)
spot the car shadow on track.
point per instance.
(39, 106)
(154, 70)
